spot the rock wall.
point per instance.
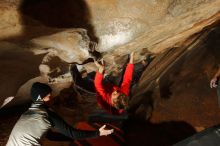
(40, 38)
(55, 33)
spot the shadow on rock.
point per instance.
(59, 14)
(17, 68)
(165, 89)
(142, 108)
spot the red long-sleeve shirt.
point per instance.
(104, 91)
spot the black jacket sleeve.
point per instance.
(61, 126)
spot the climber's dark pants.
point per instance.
(86, 83)
(103, 116)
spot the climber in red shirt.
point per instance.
(112, 92)
(111, 97)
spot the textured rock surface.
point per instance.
(39, 38)
(184, 92)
